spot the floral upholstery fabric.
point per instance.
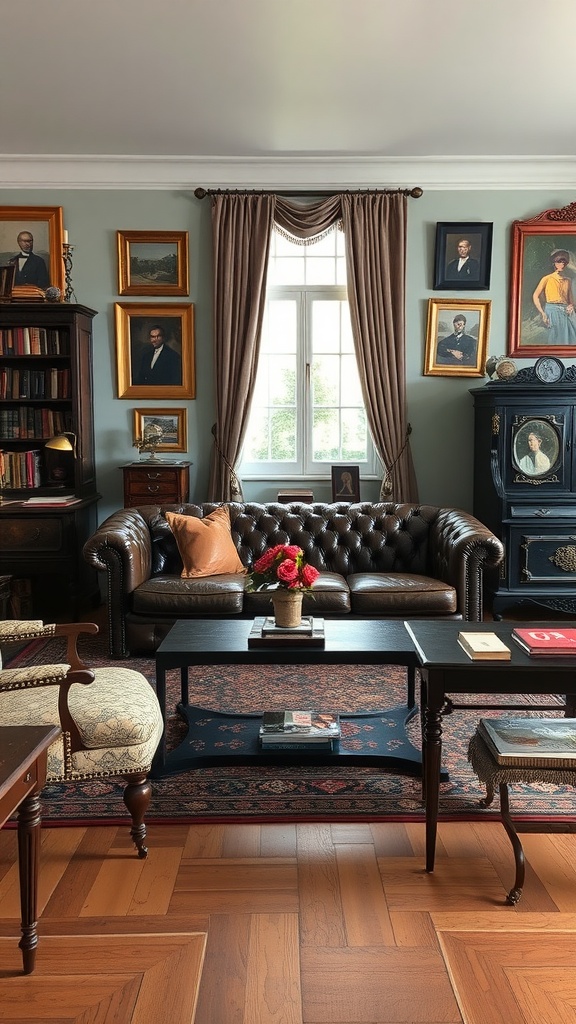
(117, 715)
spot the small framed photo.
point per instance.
(463, 256)
(345, 483)
(31, 241)
(172, 422)
(457, 337)
(155, 350)
(542, 285)
(153, 263)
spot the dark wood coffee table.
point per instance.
(225, 642)
(446, 669)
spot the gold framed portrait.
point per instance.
(38, 260)
(155, 350)
(457, 337)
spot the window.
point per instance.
(307, 411)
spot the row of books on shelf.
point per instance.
(21, 469)
(17, 383)
(550, 642)
(299, 730)
(28, 422)
(33, 341)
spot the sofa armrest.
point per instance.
(122, 548)
(460, 548)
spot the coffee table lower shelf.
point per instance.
(214, 738)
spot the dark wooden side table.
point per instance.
(155, 482)
(23, 758)
(446, 669)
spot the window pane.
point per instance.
(326, 435)
(326, 381)
(351, 391)
(286, 271)
(256, 446)
(354, 435)
(320, 271)
(326, 316)
(282, 380)
(279, 330)
(283, 435)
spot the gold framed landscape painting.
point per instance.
(155, 350)
(172, 423)
(457, 337)
(152, 263)
(31, 240)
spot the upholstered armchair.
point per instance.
(110, 717)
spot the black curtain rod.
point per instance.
(412, 193)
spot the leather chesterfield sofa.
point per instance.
(375, 559)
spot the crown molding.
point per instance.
(459, 173)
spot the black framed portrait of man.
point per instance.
(463, 256)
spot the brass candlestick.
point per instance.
(67, 251)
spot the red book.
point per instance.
(544, 641)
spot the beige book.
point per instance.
(484, 647)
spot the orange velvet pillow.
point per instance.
(205, 545)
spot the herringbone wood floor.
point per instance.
(283, 924)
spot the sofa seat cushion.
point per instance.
(174, 596)
(330, 595)
(399, 593)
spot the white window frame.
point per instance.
(304, 468)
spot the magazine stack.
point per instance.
(314, 731)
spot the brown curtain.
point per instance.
(242, 226)
(375, 230)
(375, 233)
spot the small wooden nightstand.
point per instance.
(163, 483)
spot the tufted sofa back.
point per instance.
(342, 538)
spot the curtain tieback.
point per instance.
(387, 482)
(235, 488)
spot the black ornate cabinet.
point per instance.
(525, 484)
(48, 494)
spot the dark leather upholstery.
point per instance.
(381, 559)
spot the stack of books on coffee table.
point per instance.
(299, 730)
(265, 633)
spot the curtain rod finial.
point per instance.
(200, 193)
(417, 192)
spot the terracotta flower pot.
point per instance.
(287, 608)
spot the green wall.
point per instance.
(440, 408)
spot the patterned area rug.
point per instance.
(280, 792)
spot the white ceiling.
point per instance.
(377, 84)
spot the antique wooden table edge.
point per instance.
(445, 668)
(23, 764)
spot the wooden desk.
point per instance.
(445, 669)
(23, 757)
